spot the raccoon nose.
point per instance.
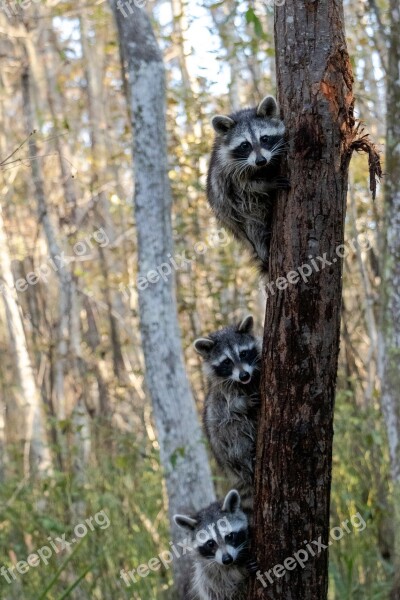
(227, 559)
(261, 161)
(244, 376)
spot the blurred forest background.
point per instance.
(66, 210)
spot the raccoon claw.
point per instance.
(252, 566)
(282, 183)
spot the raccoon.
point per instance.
(220, 537)
(243, 175)
(232, 358)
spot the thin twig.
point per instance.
(19, 147)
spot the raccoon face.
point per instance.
(231, 354)
(251, 138)
(219, 533)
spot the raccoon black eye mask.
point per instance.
(244, 174)
(232, 358)
(219, 535)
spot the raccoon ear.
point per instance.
(185, 522)
(203, 346)
(267, 107)
(222, 124)
(246, 325)
(231, 502)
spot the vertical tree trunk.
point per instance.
(229, 38)
(389, 347)
(66, 289)
(183, 454)
(36, 451)
(56, 103)
(181, 43)
(301, 340)
(69, 338)
(93, 56)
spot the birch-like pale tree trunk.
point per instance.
(389, 343)
(182, 451)
(37, 457)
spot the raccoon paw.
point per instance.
(252, 566)
(260, 186)
(282, 183)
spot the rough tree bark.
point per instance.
(389, 342)
(183, 454)
(301, 339)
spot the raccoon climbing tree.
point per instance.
(301, 341)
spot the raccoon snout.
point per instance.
(244, 376)
(227, 559)
(261, 161)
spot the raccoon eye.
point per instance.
(245, 145)
(230, 537)
(243, 354)
(264, 138)
(226, 362)
(210, 545)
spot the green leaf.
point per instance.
(251, 17)
(258, 29)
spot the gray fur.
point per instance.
(231, 407)
(240, 192)
(211, 579)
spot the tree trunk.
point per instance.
(183, 454)
(36, 451)
(389, 346)
(182, 45)
(93, 54)
(57, 108)
(301, 339)
(66, 289)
